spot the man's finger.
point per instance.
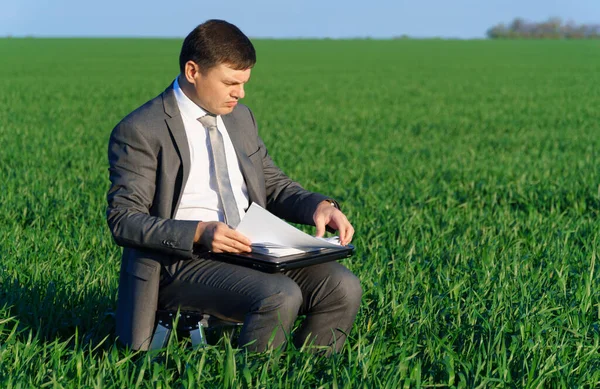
(230, 233)
(345, 230)
(320, 224)
(236, 235)
(342, 230)
(237, 246)
(226, 239)
(349, 235)
(226, 245)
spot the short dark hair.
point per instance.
(215, 42)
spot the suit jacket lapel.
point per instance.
(177, 129)
(236, 134)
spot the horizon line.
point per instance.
(166, 37)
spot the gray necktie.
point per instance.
(232, 215)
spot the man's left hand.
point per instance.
(327, 214)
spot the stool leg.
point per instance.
(198, 336)
(160, 337)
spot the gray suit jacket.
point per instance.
(149, 161)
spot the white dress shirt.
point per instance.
(200, 198)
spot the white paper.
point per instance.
(262, 227)
(275, 250)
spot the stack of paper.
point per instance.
(272, 236)
(275, 250)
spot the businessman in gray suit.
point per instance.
(183, 169)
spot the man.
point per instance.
(182, 166)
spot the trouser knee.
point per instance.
(348, 291)
(283, 304)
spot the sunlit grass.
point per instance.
(471, 171)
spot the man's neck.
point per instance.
(189, 91)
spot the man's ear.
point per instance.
(191, 72)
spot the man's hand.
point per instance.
(327, 214)
(220, 238)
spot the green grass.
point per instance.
(470, 170)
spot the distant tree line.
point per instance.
(553, 28)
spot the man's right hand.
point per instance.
(220, 238)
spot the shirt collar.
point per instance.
(187, 107)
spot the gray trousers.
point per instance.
(268, 304)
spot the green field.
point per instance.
(470, 170)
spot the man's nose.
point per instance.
(239, 92)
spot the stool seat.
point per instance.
(192, 322)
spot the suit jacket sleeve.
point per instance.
(132, 166)
(285, 197)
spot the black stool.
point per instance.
(191, 322)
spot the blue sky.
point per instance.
(281, 19)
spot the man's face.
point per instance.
(218, 89)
